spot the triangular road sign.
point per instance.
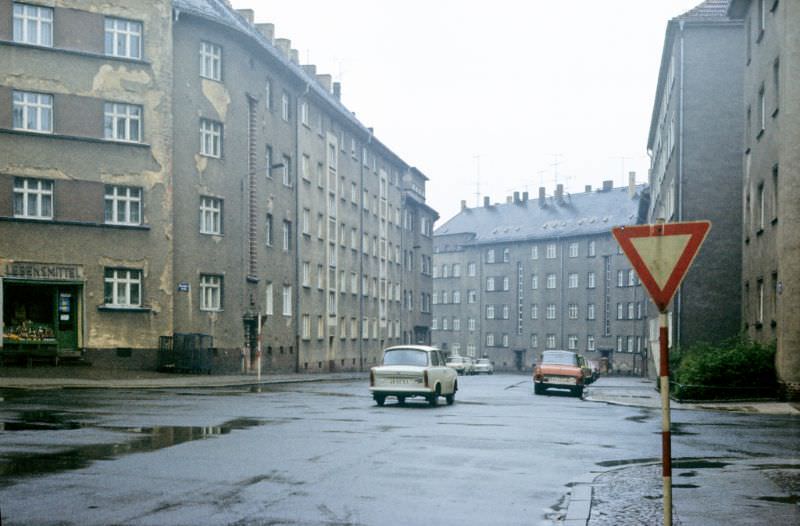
(661, 254)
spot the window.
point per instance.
(620, 311)
(573, 250)
(305, 167)
(320, 277)
(572, 342)
(445, 324)
(434, 324)
(268, 230)
(122, 287)
(285, 107)
(33, 24)
(490, 312)
(534, 341)
(210, 138)
(268, 95)
(304, 113)
(551, 311)
(456, 296)
(550, 342)
(775, 193)
(591, 249)
(268, 300)
(762, 18)
(471, 269)
(535, 311)
(123, 38)
(306, 226)
(287, 300)
(306, 274)
(551, 251)
(472, 296)
(760, 306)
(33, 112)
(490, 340)
(306, 324)
(123, 122)
(534, 252)
(619, 343)
(551, 281)
(123, 205)
(505, 283)
(490, 284)
(456, 324)
(590, 345)
(268, 161)
(287, 236)
(572, 309)
(591, 280)
(761, 213)
(590, 311)
(534, 282)
(506, 255)
(573, 281)
(505, 340)
(33, 198)
(471, 324)
(445, 297)
(210, 61)
(630, 343)
(490, 255)
(762, 110)
(620, 278)
(445, 271)
(286, 171)
(210, 292)
(631, 278)
(456, 270)
(631, 310)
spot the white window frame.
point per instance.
(210, 61)
(551, 251)
(552, 281)
(269, 300)
(572, 280)
(550, 313)
(210, 292)
(123, 205)
(285, 107)
(210, 138)
(573, 250)
(32, 111)
(122, 122)
(123, 38)
(210, 215)
(286, 307)
(33, 24)
(123, 284)
(33, 198)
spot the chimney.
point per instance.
(486, 201)
(337, 90)
(631, 184)
(542, 196)
(608, 185)
(311, 69)
(267, 30)
(283, 45)
(325, 82)
(294, 56)
(588, 189)
(247, 14)
(524, 197)
(560, 193)
(516, 197)
(463, 205)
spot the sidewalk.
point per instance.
(632, 495)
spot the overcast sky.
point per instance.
(501, 95)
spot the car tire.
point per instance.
(380, 399)
(434, 398)
(578, 391)
(538, 389)
(401, 400)
(450, 398)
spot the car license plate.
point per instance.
(399, 381)
(560, 380)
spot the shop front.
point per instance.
(41, 311)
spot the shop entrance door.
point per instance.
(66, 314)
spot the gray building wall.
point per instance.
(695, 172)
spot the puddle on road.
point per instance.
(685, 486)
(16, 465)
(615, 463)
(791, 499)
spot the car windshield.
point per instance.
(455, 359)
(405, 357)
(559, 358)
(483, 362)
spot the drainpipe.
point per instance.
(297, 235)
(679, 299)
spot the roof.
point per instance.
(580, 214)
(712, 9)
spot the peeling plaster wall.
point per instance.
(80, 155)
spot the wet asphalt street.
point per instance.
(324, 453)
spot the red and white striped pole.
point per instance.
(666, 437)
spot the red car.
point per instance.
(558, 370)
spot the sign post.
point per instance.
(661, 254)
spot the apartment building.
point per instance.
(770, 113)
(511, 280)
(695, 173)
(241, 200)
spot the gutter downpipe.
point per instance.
(679, 300)
(297, 235)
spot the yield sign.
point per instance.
(661, 254)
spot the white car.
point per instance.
(413, 370)
(484, 365)
(458, 364)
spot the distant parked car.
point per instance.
(469, 365)
(558, 369)
(457, 363)
(484, 365)
(413, 370)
